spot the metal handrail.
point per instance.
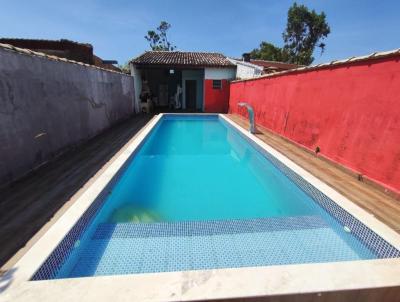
(250, 110)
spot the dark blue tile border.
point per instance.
(51, 266)
(373, 241)
(382, 249)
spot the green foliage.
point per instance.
(270, 52)
(305, 30)
(158, 38)
(125, 67)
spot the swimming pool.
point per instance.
(198, 194)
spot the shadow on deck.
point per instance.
(28, 204)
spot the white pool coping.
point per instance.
(200, 284)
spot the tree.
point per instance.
(305, 30)
(158, 38)
(270, 52)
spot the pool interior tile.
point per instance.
(142, 248)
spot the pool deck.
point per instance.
(383, 206)
(50, 190)
(55, 187)
(42, 196)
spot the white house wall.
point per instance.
(219, 73)
(246, 72)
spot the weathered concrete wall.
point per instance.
(47, 106)
(351, 112)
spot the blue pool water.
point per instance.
(198, 169)
(198, 195)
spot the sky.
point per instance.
(116, 28)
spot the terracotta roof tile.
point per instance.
(179, 58)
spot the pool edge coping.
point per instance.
(384, 231)
(23, 250)
(26, 267)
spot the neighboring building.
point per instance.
(246, 70)
(270, 66)
(80, 52)
(251, 68)
(201, 77)
(107, 64)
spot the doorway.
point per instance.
(190, 94)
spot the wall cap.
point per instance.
(30, 52)
(374, 56)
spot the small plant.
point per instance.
(317, 150)
(125, 68)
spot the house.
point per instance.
(272, 66)
(246, 70)
(71, 50)
(195, 81)
(106, 64)
(250, 68)
(269, 66)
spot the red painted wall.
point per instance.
(216, 100)
(351, 112)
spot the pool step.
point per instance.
(130, 248)
(206, 228)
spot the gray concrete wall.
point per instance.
(47, 106)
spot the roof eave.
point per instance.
(180, 65)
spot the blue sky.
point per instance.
(116, 28)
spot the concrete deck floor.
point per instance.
(27, 205)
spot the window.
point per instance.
(217, 84)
